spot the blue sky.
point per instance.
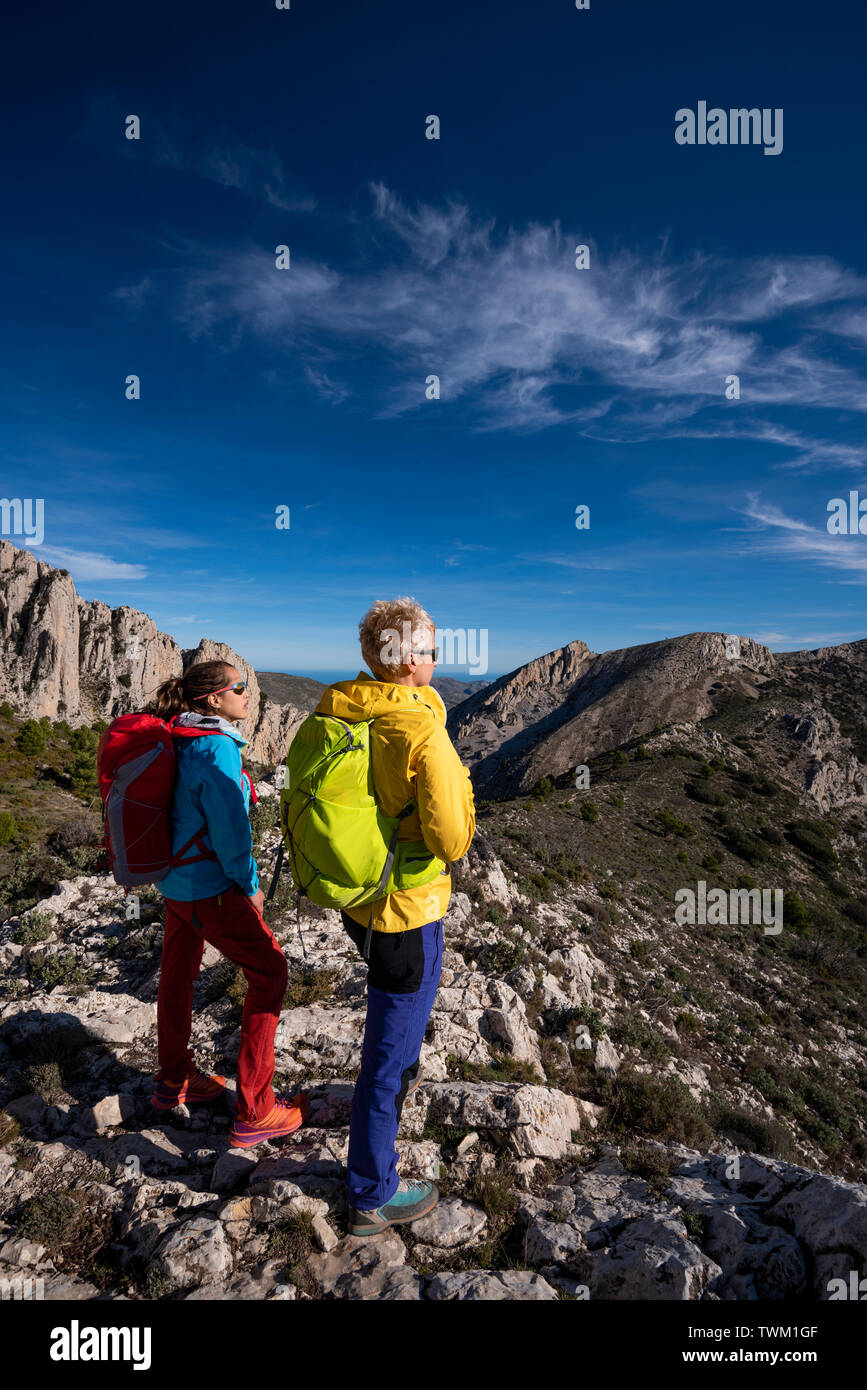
(410, 257)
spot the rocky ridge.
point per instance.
(182, 1216)
(68, 658)
(561, 710)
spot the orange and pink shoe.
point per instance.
(288, 1114)
(197, 1089)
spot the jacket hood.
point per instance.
(211, 721)
(366, 698)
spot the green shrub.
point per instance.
(504, 955)
(83, 772)
(652, 1164)
(795, 912)
(663, 1109)
(641, 754)
(83, 740)
(63, 969)
(744, 845)
(32, 738)
(9, 1129)
(631, 1031)
(45, 1079)
(673, 825)
(535, 886)
(705, 792)
(811, 839)
(70, 1223)
(306, 985)
(771, 835)
(543, 788)
(6, 710)
(589, 812)
(8, 827)
(620, 758)
(857, 911)
(766, 1136)
(35, 926)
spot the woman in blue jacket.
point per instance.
(218, 899)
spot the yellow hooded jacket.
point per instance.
(412, 758)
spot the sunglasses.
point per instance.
(433, 653)
(237, 689)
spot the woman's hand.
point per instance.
(258, 901)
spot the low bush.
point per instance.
(673, 825)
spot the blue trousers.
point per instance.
(402, 980)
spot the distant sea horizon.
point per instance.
(331, 677)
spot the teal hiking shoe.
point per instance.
(411, 1200)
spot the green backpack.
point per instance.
(343, 851)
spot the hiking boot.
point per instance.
(197, 1089)
(415, 1085)
(288, 1114)
(411, 1200)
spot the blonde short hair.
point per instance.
(389, 631)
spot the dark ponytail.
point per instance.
(187, 692)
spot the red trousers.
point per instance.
(232, 924)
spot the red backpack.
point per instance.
(136, 764)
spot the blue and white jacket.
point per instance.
(210, 790)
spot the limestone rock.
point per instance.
(108, 1112)
(97, 662)
(197, 1252)
(539, 1121)
(451, 1223)
(365, 1267)
(490, 1286)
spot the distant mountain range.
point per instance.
(65, 657)
(304, 693)
(563, 709)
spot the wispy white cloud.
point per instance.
(175, 143)
(636, 347)
(134, 295)
(84, 564)
(777, 534)
(328, 389)
(259, 173)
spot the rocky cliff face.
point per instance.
(72, 659)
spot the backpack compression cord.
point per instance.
(389, 860)
(302, 893)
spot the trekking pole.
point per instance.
(277, 867)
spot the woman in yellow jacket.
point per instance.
(412, 758)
